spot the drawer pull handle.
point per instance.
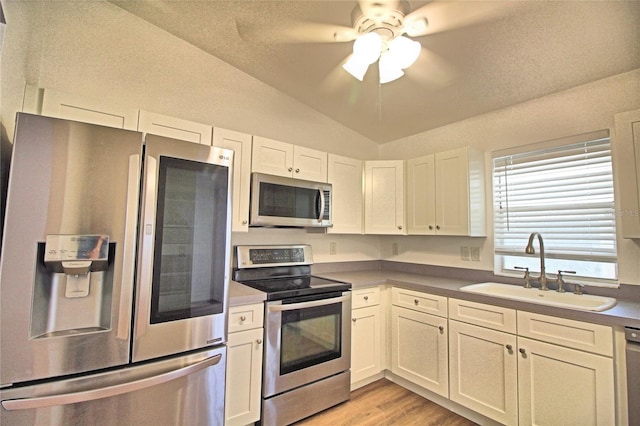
(366, 298)
(243, 318)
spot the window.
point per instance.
(564, 191)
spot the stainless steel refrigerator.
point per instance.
(113, 278)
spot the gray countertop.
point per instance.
(624, 313)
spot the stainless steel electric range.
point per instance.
(307, 351)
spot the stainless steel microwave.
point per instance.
(283, 201)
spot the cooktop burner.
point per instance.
(282, 288)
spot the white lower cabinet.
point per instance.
(558, 384)
(419, 344)
(366, 334)
(483, 365)
(244, 365)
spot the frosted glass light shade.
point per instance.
(356, 67)
(367, 47)
(389, 69)
(404, 51)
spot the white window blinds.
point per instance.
(566, 194)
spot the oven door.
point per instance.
(307, 338)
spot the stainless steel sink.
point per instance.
(585, 302)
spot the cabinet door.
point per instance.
(483, 370)
(366, 346)
(240, 143)
(77, 108)
(272, 157)
(627, 157)
(309, 164)
(452, 192)
(561, 386)
(244, 377)
(345, 176)
(421, 196)
(384, 197)
(419, 350)
(175, 128)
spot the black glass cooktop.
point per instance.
(282, 288)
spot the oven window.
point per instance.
(310, 336)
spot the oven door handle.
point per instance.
(303, 305)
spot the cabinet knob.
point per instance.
(259, 341)
(522, 351)
(416, 301)
(509, 348)
(441, 328)
(243, 318)
(353, 319)
(430, 227)
(244, 222)
(399, 226)
(290, 169)
(297, 170)
(437, 226)
(366, 298)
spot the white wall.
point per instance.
(579, 110)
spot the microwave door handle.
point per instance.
(303, 305)
(320, 205)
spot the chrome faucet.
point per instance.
(542, 279)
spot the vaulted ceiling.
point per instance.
(476, 57)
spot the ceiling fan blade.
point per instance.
(369, 7)
(432, 71)
(448, 15)
(295, 32)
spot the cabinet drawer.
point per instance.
(585, 336)
(494, 317)
(246, 317)
(418, 301)
(365, 297)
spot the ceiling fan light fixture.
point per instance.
(356, 67)
(389, 69)
(404, 51)
(367, 47)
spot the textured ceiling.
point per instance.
(478, 56)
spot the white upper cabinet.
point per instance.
(384, 197)
(283, 159)
(79, 108)
(446, 193)
(626, 153)
(345, 176)
(240, 143)
(176, 128)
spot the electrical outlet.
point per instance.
(475, 254)
(464, 253)
(333, 248)
(394, 249)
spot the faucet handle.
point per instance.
(527, 282)
(560, 281)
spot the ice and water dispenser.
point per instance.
(73, 285)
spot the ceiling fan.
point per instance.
(383, 31)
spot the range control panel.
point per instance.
(266, 256)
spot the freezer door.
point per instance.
(184, 248)
(186, 390)
(74, 186)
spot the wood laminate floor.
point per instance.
(386, 403)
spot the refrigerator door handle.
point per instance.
(99, 393)
(129, 249)
(147, 233)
